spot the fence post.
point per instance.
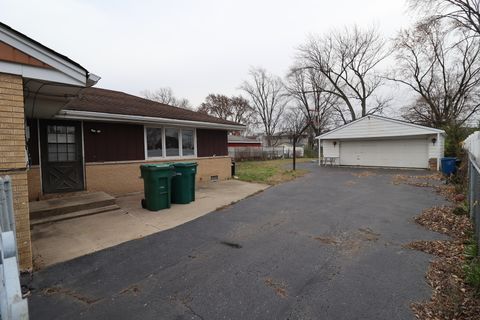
(471, 184)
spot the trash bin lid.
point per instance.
(185, 164)
(156, 167)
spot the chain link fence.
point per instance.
(12, 305)
(472, 146)
(263, 153)
(474, 193)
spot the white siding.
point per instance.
(330, 150)
(372, 127)
(436, 150)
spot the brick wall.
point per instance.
(34, 184)
(12, 160)
(122, 178)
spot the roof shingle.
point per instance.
(116, 102)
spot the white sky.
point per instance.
(194, 47)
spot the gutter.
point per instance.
(111, 117)
(92, 79)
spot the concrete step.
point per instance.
(66, 204)
(72, 215)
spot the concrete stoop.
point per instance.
(69, 207)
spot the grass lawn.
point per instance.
(269, 172)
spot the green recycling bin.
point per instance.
(157, 181)
(183, 182)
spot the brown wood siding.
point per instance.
(212, 143)
(11, 54)
(32, 143)
(113, 142)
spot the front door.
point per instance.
(62, 161)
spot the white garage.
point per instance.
(382, 142)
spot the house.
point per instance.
(243, 142)
(383, 142)
(284, 139)
(98, 141)
(58, 134)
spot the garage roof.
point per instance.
(373, 126)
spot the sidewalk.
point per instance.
(65, 240)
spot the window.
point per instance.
(169, 142)
(187, 143)
(154, 142)
(61, 143)
(172, 144)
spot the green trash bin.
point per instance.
(157, 181)
(183, 183)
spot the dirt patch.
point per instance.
(133, 290)
(368, 234)
(279, 287)
(349, 242)
(70, 293)
(364, 174)
(326, 240)
(350, 183)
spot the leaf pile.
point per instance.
(433, 181)
(452, 297)
(442, 219)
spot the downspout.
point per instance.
(439, 158)
(319, 152)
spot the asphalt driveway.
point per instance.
(325, 246)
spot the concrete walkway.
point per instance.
(65, 240)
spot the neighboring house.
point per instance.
(284, 139)
(245, 142)
(82, 138)
(383, 142)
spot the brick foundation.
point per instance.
(432, 164)
(12, 160)
(122, 178)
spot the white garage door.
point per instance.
(411, 153)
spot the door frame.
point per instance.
(43, 151)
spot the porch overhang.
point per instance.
(49, 78)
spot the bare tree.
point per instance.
(294, 124)
(267, 98)
(166, 96)
(308, 88)
(349, 60)
(463, 13)
(443, 68)
(217, 105)
(235, 108)
(242, 111)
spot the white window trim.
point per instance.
(164, 149)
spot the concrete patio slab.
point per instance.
(65, 240)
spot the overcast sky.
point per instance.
(194, 47)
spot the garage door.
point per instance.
(411, 153)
